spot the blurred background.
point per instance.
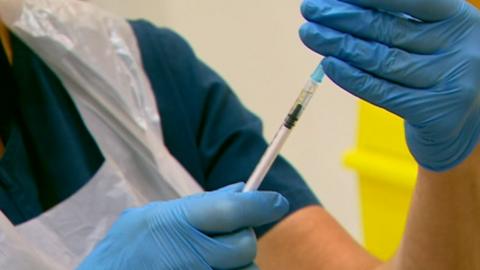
(254, 45)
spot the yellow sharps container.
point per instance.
(386, 174)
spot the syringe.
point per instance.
(281, 136)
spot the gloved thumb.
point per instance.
(425, 10)
(229, 209)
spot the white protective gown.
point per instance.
(96, 56)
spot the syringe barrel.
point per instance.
(300, 103)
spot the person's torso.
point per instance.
(49, 153)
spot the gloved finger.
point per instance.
(231, 251)
(426, 10)
(250, 267)
(388, 63)
(375, 25)
(227, 211)
(397, 99)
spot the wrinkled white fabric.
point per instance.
(96, 57)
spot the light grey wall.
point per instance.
(255, 46)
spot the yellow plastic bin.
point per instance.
(386, 173)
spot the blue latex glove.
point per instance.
(425, 69)
(201, 232)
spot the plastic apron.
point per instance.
(97, 59)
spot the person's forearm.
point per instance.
(311, 239)
(442, 231)
(444, 222)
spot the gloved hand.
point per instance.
(419, 59)
(205, 231)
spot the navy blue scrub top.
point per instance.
(50, 153)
